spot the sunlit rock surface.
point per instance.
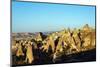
(65, 46)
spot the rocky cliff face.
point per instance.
(56, 44)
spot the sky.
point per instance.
(44, 17)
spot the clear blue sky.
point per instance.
(42, 17)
